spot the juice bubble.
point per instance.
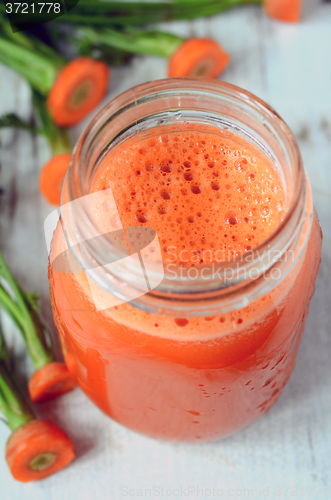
(196, 189)
(181, 322)
(166, 166)
(215, 185)
(142, 216)
(188, 176)
(166, 195)
(230, 218)
(162, 209)
(149, 166)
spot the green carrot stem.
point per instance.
(135, 41)
(13, 404)
(26, 319)
(139, 13)
(115, 13)
(58, 137)
(29, 57)
(30, 300)
(28, 41)
(36, 69)
(11, 308)
(19, 37)
(150, 12)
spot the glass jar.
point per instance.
(147, 361)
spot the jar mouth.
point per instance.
(228, 107)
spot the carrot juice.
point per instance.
(205, 362)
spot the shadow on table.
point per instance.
(84, 439)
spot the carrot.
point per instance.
(79, 87)
(36, 448)
(198, 57)
(50, 381)
(283, 10)
(193, 57)
(52, 176)
(73, 88)
(51, 378)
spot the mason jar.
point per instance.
(133, 332)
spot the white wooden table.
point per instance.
(289, 66)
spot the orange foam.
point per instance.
(208, 197)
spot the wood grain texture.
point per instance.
(290, 67)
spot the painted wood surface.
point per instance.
(289, 66)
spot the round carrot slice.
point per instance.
(37, 450)
(79, 87)
(49, 382)
(198, 57)
(283, 10)
(52, 176)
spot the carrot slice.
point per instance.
(49, 382)
(79, 87)
(198, 57)
(52, 177)
(283, 10)
(37, 450)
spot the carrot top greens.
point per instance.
(13, 405)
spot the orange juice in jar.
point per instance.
(191, 332)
